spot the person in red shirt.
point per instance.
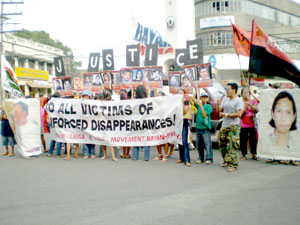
(247, 124)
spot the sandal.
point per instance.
(93, 157)
(224, 164)
(269, 161)
(128, 156)
(165, 159)
(123, 156)
(231, 169)
(243, 158)
(188, 164)
(296, 163)
(11, 154)
(85, 157)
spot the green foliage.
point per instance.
(44, 38)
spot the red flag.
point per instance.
(267, 59)
(241, 40)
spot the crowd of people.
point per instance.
(239, 128)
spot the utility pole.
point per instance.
(3, 18)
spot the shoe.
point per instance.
(207, 162)
(179, 161)
(5, 153)
(93, 157)
(198, 162)
(296, 163)
(60, 156)
(11, 154)
(254, 157)
(188, 164)
(169, 157)
(231, 169)
(49, 155)
(243, 158)
(269, 161)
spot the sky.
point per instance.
(92, 25)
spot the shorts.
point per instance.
(8, 140)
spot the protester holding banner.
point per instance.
(88, 149)
(141, 93)
(184, 152)
(126, 150)
(203, 127)
(247, 125)
(230, 108)
(8, 137)
(53, 142)
(166, 147)
(44, 127)
(108, 97)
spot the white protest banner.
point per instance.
(25, 119)
(139, 122)
(279, 135)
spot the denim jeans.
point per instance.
(184, 152)
(58, 147)
(135, 153)
(204, 143)
(88, 149)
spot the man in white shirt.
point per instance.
(230, 108)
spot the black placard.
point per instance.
(132, 55)
(94, 61)
(194, 52)
(181, 59)
(151, 55)
(108, 59)
(59, 66)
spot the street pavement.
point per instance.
(42, 191)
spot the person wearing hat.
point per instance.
(203, 126)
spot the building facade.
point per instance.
(279, 19)
(33, 63)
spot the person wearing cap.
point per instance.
(203, 127)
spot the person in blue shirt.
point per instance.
(203, 126)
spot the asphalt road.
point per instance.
(44, 191)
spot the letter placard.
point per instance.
(132, 55)
(180, 59)
(59, 66)
(94, 62)
(195, 53)
(108, 59)
(151, 55)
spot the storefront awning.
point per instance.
(36, 85)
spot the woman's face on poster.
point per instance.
(186, 82)
(283, 115)
(139, 75)
(106, 77)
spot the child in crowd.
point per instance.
(8, 137)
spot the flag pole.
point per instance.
(242, 74)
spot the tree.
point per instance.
(44, 38)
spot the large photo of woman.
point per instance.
(278, 125)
